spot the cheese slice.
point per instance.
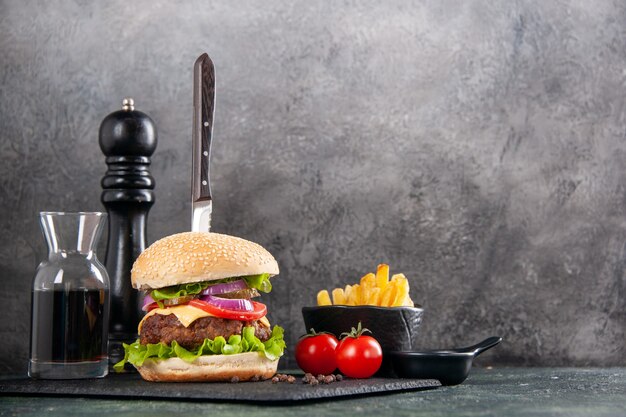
(186, 315)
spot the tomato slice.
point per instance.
(151, 307)
(260, 310)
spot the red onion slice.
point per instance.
(147, 300)
(238, 285)
(238, 304)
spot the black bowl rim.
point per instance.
(342, 307)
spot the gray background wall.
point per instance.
(476, 146)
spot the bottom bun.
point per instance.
(210, 368)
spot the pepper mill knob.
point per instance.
(128, 132)
(128, 104)
(127, 138)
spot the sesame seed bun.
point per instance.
(198, 256)
(210, 368)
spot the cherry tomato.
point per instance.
(315, 353)
(357, 355)
(260, 310)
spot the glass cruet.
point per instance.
(70, 300)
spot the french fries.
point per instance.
(373, 289)
(323, 299)
(338, 296)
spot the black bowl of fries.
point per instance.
(383, 306)
(395, 328)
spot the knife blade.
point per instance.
(203, 110)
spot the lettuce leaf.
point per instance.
(273, 348)
(177, 291)
(260, 282)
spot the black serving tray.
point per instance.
(131, 386)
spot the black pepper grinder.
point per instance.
(128, 138)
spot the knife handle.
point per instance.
(203, 108)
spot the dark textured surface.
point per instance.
(495, 392)
(478, 147)
(133, 387)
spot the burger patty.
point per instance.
(159, 328)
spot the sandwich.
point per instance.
(202, 323)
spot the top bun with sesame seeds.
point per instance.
(199, 256)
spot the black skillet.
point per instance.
(450, 367)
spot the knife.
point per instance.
(203, 109)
